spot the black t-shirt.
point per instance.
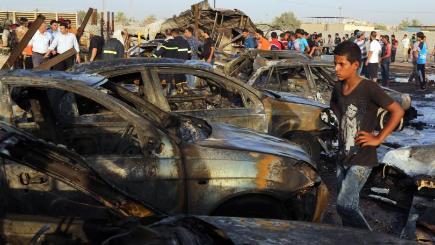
(358, 112)
(208, 44)
(98, 43)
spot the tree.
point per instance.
(121, 18)
(405, 23)
(148, 20)
(381, 27)
(286, 21)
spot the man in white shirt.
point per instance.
(372, 62)
(405, 46)
(40, 43)
(64, 42)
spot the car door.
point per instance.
(207, 95)
(323, 81)
(115, 141)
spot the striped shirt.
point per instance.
(362, 45)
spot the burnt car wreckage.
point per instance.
(218, 98)
(116, 217)
(284, 73)
(203, 168)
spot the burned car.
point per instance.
(314, 80)
(202, 168)
(405, 180)
(115, 217)
(217, 98)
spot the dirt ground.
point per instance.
(382, 217)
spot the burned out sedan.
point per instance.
(218, 98)
(112, 216)
(313, 80)
(180, 164)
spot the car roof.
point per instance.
(155, 62)
(92, 80)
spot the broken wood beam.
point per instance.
(16, 52)
(84, 23)
(55, 60)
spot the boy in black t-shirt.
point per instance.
(356, 102)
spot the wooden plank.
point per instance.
(102, 24)
(16, 52)
(84, 23)
(108, 25)
(56, 60)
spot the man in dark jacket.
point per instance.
(113, 49)
(177, 48)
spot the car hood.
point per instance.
(413, 160)
(267, 231)
(289, 97)
(227, 136)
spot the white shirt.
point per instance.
(405, 43)
(40, 42)
(376, 49)
(64, 42)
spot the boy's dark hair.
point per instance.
(260, 32)
(282, 35)
(175, 31)
(64, 24)
(190, 29)
(245, 30)
(53, 21)
(373, 34)
(420, 35)
(299, 31)
(274, 35)
(350, 50)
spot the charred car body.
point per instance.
(217, 98)
(116, 217)
(314, 80)
(201, 168)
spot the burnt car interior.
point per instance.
(289, 79)
(189, 92)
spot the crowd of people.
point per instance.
(376, 51)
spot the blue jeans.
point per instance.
(385, 71)
(350, 182)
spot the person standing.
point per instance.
(209, 49)
(283, 39)
(275, 44)
(64, 42)
(194, 43)
(337, 39)
(250, 42)
(262, 42)
(96, 45)
(54, 29)
(394, 45)
(405, 46)
(385, 60)
(420, 55)
(372, 62)
(362, 44)
(303, 43)
(293, 43)
(39, 44)
(356, 101)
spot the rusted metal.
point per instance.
(47, 65)
(82, 27)
(16, 52)
(108, 28)
(102, 24)
(112, 30)
(144, 152)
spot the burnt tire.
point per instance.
(308, 143)
(253, 206)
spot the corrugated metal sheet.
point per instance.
(31, 16)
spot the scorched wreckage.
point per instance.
(203, 168)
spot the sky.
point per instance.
(377, 11)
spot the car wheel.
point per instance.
(253, 206)
(308, 143)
